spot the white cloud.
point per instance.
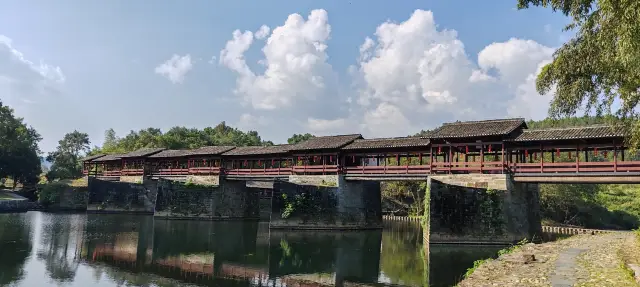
(415, 76)
(263, 32)
(175, 68)
(251, 122)
(295, 60)
(31, 88)
(408, 76)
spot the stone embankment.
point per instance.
(11, 202)
(581, 260)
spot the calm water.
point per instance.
(42, 249)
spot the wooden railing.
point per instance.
(132, 171)
(575, 167)
(316, 169)
(259, 171)
(389, 169)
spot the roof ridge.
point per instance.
(485, 121)
(569, 128)
(391, 138)
(344, 135)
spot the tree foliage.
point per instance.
(600, 65)
(296, 138)
(66, 158)
(19, 152)
(179, 138)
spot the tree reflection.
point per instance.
(60, 238)
(403, 256)
(15, 247)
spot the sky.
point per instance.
(379, 68)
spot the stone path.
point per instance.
(10, 195)
(564, 273)
(581, 260)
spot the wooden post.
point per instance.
(502, 158)
(481, 156)
(615, 157)
(430, 159)
(578, 158)
(541, 158)
(450, 159)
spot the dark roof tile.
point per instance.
(92, 157)
(142, 152)
(469, 129)
(109, 157)
(211, 150)
(326, 142)
(402, 142)
(167, 153)
(588, 132)
(258, 150)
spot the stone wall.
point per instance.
(482, 208)
(204, 179)
(18, 205)
(350, 205)
(132, 179)
(122, 197)
(317, 180)
(63, 197)
(229, 200)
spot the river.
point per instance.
(45, 249)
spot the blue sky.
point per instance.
(92, 65)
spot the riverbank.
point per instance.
(581, 260)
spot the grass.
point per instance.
(501, 252)
(4, 196)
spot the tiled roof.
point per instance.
(258, 150)
(109, 157)
(588, 132)
(143, 152)
(211, 150)
(326, 142)
(388, 143)
(92, 157)
(167, 153)
(477, 128)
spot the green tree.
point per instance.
(19, 152)
(296, 138)
(599, 65)
(65, 159)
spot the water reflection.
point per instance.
(117, 250)
(15, 247)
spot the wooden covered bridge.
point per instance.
(490, 146)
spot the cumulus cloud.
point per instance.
(422, 76)
(295, 61)
(263, 32)
(175, 68)
(409, 76)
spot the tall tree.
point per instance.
(600, 65)
(65, 159)
(19, 152)
(296, 138)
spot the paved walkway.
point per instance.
(582, 260)
(565, 271)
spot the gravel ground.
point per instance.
(581, 260)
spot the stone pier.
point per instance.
(224, 201)
(483, 208)
(132, 196)
(325, 202)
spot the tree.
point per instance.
(65, 159)
(296, 138)
(19, 152)
(600, 65)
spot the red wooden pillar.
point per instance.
(481, 157)
(430, 159)
(578, 158)
(541, 159)
(450, 157)
(615, 157)
(502, 158)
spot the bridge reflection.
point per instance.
(208, 252)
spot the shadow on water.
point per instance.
(118, 250)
